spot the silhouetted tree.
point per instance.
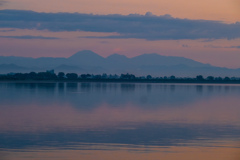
(127, 76)
(85, 76)
(199, 78)
(210, 78)
(226, 79)
(50, 75)
(104, 76)
(72, 76)
(46, 76)
(149, 77)
(98, 76)
(218, 79)
(61, 75)
(32, 75)
(172, 77)
(233, 78)
(19, 76)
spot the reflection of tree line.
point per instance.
(89, 95)
(61, 76)
(73, 86)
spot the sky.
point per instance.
(207, 31)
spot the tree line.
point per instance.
(61, 76)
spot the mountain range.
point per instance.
(87, 61)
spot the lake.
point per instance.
(119, 121)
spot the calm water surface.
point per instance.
(119, 121)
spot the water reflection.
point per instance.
(142, 95)
(118, 116)
(72, 87)
(125, 87)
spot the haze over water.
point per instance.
(118, 121)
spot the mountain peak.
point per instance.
(116, 56)
(151, 54)
(87, 58)
(84, 53)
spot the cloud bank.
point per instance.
(238, 47)
(213, 46)
(147, 26)
(28, 37)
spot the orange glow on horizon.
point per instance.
(170, 153)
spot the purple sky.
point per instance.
(206, 31)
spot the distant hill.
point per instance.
(7, 68)
(85, 58)
(87, 61)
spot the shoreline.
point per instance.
(122, 81)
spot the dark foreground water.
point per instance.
(119, 121)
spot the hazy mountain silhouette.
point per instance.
(117, 58)
(154, 59)
(7, 68)
(87, 61)
(85, 58)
